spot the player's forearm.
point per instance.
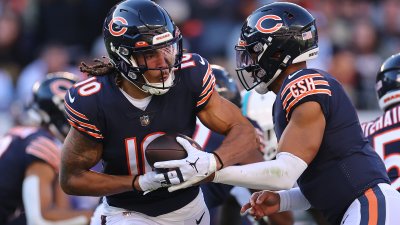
(240, 144)
(90, 183)
(278, 174)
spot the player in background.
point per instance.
(259, 108)
(227, 196)
(149, 88)
(30, 158)
(384, 131)
(320, 140)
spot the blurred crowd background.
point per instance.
(42, 36)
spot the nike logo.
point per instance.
(71, 99)
(293, 74)
(199, 221)
(202, 61)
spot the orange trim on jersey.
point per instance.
(290, 95)
(49, 146)
(41, 155)
(210, 84)
(321, 82)
(372, 207)
(128, 163)
(90, 126)
(205, 98)
(207, 75)
(98, 136)
(316, 82)
(312, 92)
(80, 115)
(299, 79)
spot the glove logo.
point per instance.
(193, 164)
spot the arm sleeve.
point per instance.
(301, 88)
(83, 112)
(277, 174)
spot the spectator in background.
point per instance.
(53, 58)
(343, 67)
(31, 194)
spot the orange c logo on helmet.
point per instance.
(269, 30)
(119, 32)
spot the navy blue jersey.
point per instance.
(214, 194)
(19, 148)
(384, 135)
(345, 165)
(98, 109)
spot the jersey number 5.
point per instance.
(392, 160)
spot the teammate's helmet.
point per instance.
(226, 86)
(48, 102)
(259, 108)
(388, 82)
(141, 28)
(272, 38)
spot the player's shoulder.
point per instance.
(194, 64)
(85, 93)
(306, 81)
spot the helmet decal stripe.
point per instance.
(269, 30)
(120, 32)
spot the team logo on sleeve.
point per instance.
(115, 26)
(269, 24)
(301, 87)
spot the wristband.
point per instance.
(219, 159)
(133, 182)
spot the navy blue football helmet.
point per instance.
(388, 82)
(226, 86)
(272, 38)
(139, 30)
(48, 102)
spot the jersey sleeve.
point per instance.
(82, 108)
(43, 148)
(202, 80)
(304, 87)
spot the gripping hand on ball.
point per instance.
(189, 171)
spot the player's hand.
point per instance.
(189, 171)
(262, 203)
(148, 182)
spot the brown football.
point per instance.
(166, 148)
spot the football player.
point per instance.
(219, 194)
(320, 140)
(149, 88)
(30, 159)
(384, 132)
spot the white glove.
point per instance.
(148, 182)
(194, 168)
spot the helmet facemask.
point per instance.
(259, 64)
(143, 65)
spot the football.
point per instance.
(166, 148)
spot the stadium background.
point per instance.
(42, 36)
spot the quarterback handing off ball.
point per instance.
(166, 148)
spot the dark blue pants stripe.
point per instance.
(364, 210)
(381, 205)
